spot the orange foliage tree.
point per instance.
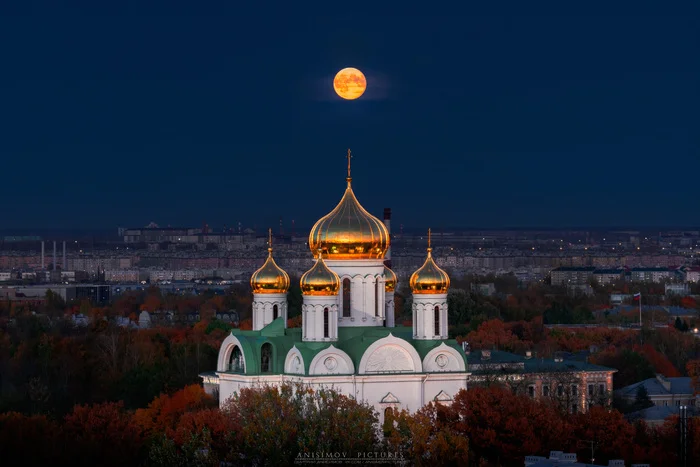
(504, 427)
(101, 434)
(428, 437)
(163, 414)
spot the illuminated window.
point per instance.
(437, 321)
(325, 323)
(346, 298)
(266, 358)
(275, 312)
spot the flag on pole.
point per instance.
(637, 296)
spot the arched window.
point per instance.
(266, 358)
(387, 413)
(325, 323)
(346, 298)
(275, 312)
(235, 361)
(376, 297)
(437, 321)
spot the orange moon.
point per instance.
(349, 83)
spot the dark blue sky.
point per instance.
(555, 117)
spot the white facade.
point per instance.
(430, 316)
(391, 374)
(365, 281)
(320, 318)
(389, 309)
(268, 307)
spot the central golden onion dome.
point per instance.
(429, 278)
(319, 280)
(349, 231)
(390, 280)
(270, 278)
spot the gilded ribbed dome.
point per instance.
(390, 280)
(270, 278)
(349, 231)
(319, 280)
(429, 278)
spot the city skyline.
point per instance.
(527, 119)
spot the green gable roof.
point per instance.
(354, 341)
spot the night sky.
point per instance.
(558, 116)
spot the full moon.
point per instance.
(349, 83)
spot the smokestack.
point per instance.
(387, 223)
(42, 255)
(64, 255)
(54, 255)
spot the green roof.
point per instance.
(354, 341)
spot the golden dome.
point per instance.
(319, 280)
(348, 231)
(270, 278)
(429, 278)
(390, 280)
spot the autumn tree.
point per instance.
(278, 423)
(101, 434)
(611, 435)
(33, 437)
(163, 414)
(504, 427)
(428, 437)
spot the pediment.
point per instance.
(390, 399)
(443, 397)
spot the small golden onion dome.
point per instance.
(429, 278)
(349, 231)
(270, 278)
(319, 280)
(390, 280)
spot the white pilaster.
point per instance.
(389, 309)
(313, 311)
(424, 316)
(264, 309)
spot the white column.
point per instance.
(424, 316)
(312, 317)
(389, 309)
(263, 304)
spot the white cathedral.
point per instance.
(348, 339)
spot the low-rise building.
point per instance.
(575, 385)
(677, 289)
(662, 391)
(608, 276)
(651, 274)
(692, 274)
(572, 275)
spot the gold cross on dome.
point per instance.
(349, 157)
(429, 233)
(269, 238)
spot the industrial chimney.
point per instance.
(387, 223)
(54, 255)
(64, 255)
(42, 255)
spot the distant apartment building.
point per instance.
(608, 276)
(122, 275)
(692, 274)
(571, 275)
(677, 289)
(651, 274)
(6, 276)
